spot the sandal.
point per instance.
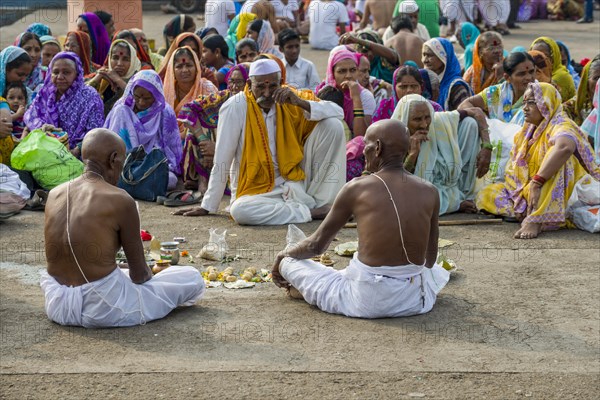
(184, 199)
(169, 196)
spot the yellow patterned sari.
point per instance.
(532, 145)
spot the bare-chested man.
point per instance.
(393, 274)
(87, 221)
(408, 45)
(381, 11)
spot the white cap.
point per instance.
(408, 7)
(263, 67)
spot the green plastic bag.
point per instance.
(48, 160)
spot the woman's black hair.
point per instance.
(123, 45)
(17, 62)
(256, 25)
(332, 94)
(246, 42)
(215, 42)
(408, 70)
(181, 51)
(27, 36)
(104, 16)
(511, 62)
(15, 85)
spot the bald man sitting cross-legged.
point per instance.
(87, 221)
(393, 274)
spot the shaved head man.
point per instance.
(87, 221)
(393, 273)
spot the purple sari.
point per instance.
(79, 109)
(155, 127)
(99, 36)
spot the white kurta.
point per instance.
(116, 301)
(366, 292)
(324, 165)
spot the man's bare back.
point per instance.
(408, 45)
(102, 218)
(381, 11)
(367, 199)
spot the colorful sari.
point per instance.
(7, 56)
(387, 106)
(474, 75)
(200, 87)
(206, 72)
(591, 126)
(7, 144)
(531, 147)
(469, 34)
(560, 74)
(85, 46)
(451, 78)
(204, 109)
(237, 31)
(579, 107)
(39, 29)
(78, 110)
(569, 66)
(100, 40)
(500, 103)
(155, 127)
(266, 40)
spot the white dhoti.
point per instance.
(116, 301)
(324, 166)
(366, 292)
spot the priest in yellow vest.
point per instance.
(282, 150)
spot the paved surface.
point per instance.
(518, 319)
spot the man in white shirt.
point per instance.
(325, 16)
(286, 12)
(218, 14)
(300, 72)
(285, 157)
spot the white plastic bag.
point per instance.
(216, 248)
(584, 205)
(294, 236)
(502, 136)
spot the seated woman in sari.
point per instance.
(30, 42)
(543, 67)
(549, 156)
(591, 125)
(193, 42)
(486, 70)
(261, 31)
(15, 66)
(110, 82)
(142, 118)
(439, 57)
(407, 80)
(50, 48)
(381, 89)
(91, 24)
(215, 56)
(140, 51)
(505, 101)
(384, 60)
(565, 60)
(65, 102)
(201, 117)
(579, 107)
(359, 104)
(79, 42)
(183, 81)
(560, 76)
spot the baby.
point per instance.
(16, 96)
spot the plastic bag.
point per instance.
(216, 248)
(502, 136)
(294, 236)
(49, 161)
(584, 204)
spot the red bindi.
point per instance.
(120, 53)
(184, 60)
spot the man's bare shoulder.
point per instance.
(102, 193)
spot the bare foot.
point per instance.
(468, 206)
(320, 212)
(528, 231)
(294, 293)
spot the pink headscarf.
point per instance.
(334, 58)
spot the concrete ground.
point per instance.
(519, 319)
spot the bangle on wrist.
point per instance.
(539, 180)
